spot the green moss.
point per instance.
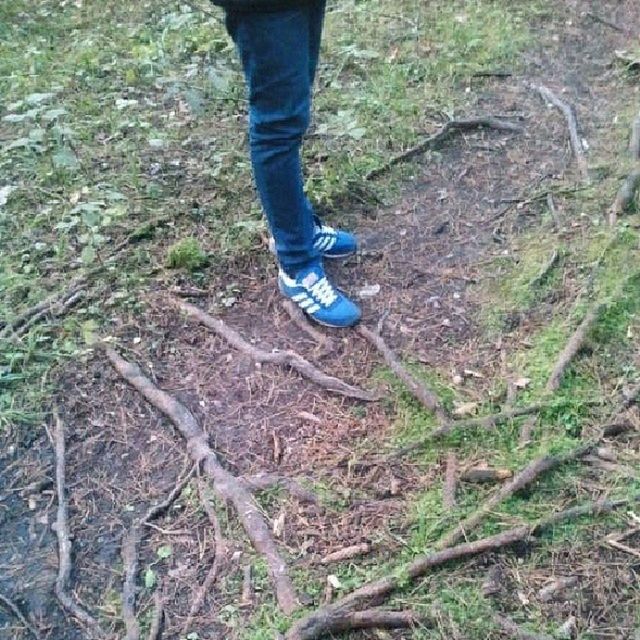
(186, 254)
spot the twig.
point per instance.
(246, 599)
(13, 607)
(609, 23)
(418, 389)
(264, 481)
(572, 124)
(371, 619)
(155, 628)
(615, 541)
(315, 624)
(572, 347)
(130, 544)
(300, 320)
(227, 486)
(282, 358)
(435, 140)
(625, 196)
(551, 205)
(450, 482)
(509, 627)
(348, 553)
(219, 555)
(546, 269)
(64, 539)
(525, 477)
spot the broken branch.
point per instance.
(227, 486)
(432, 142)
(282, 358)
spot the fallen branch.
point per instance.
(525, 477)
(130, 545)
(480, 475)
(450, 482)
(625, 197)
(317, 623)
(348, 553)
(227, 486)
(573, 346)
(371, 619)
(418, 389)
(13, 608)
(264, 481)
(572, 124)
(432, 142)
(64, 538)
(281, 358)
(512, 629)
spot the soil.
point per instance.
(426, 252)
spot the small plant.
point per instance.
(186, 254)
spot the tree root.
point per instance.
(432, 142)
(625, 196)
(525, 477)
(282, 358)
(419, 390)
(130, 545)
(13, 607)
(264, 481)
(572, 347)
(227, 486)
(572, 124)
(155, 629)
(323, 341)
(64, 538)
(319, 622)
(450, 482)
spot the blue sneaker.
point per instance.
(333, 243)
(329, 242)
(318, 298)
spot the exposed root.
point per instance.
(348, 553)
(450, 482)
(525, 477)
(625, 197)
(130, 545)
(572, 124)
(323, 341)
(418, 389)
(263, 481)
(315, 624)
(155, 629)
(573, 346)
(227, 486)
(13, 608)
(281, 358)
(64, 539)
(508, 626)
(548, 267)
(432, 142)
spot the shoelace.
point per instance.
(326, 237)
(323, 292)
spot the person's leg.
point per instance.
(316, 22)
(275, 52)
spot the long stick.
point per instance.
(227, 486)
(315, 624)
(282, 358)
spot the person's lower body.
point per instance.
(279, 53)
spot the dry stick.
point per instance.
(300, 320)
(480, 475)
(450, 482)
(263, 481)
(572, 124)
(433, 141)
(282, 358)
(158, 615)
(348, 553)
(625, 196)
(373, 619)
(318, 622)
(509, 627)
(219, 551)
(609, 23)
(634, 141)
(419, 390)
(573, 346)
(227, 486)
(13, 607)
(130, 545)
(525, 477)
(64, 539)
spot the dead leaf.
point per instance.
(466, 409)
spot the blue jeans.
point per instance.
(279, 53)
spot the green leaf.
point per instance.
(149, 578)
(89, 328)
(65, 159)
(164, 552)
(88, 255)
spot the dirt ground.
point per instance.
(427, 253)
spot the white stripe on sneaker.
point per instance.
(305, 303)
(313, 308)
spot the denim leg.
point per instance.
(316, 23)
(275, 50)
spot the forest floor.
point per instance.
(125, 194)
